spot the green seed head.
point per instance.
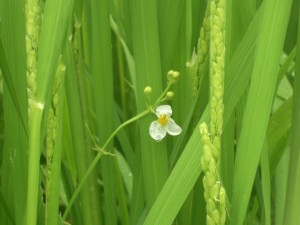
(216, 216)
(210, 205)
(209, 220)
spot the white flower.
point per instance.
(164, 124)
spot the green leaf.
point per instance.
(255, 120)
(291, 214)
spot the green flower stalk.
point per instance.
(198, 66)
(33, 23)
(53, 146)
(199, 61)
(217, 61)
(214, 193)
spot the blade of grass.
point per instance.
(183, 89)
(184, 105)
(104, 100)
(6, 208)
(291, 214)
(185, 213)
(125, 173)
(67, 184)
(280, 186)
(125, 143)
(68, 157)
(189, 26)
(199, 206)
(12, 90)
(121, 12)
(242, 15)
(89, 196)
(148, 72)
(278, 130)
(121, 196)
(56, 21)
(252, 215)
(195, 11)
(128, 55)
(259, 102)
(266, 184)
(291, 37)
(138, 194)
(178, 184)
(15, 150)
(54, 151)
(284, 68)
(169, 14)
(13, 171)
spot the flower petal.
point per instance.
(156, 131)
(172, 128)
(164, 110)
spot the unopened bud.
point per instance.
(148, 90)
(173, 76)
(176, 75)
(170, 95)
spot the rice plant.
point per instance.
(148, 112)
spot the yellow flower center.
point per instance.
(163, 119)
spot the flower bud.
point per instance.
(148, 90)
(170, 74)
(176, 75)
(173, 76)
(170, 95)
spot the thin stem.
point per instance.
(159, 100)
(142, 114)
(33, 164)
(101, 151)
(98, 156)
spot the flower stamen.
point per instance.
(163, 119)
